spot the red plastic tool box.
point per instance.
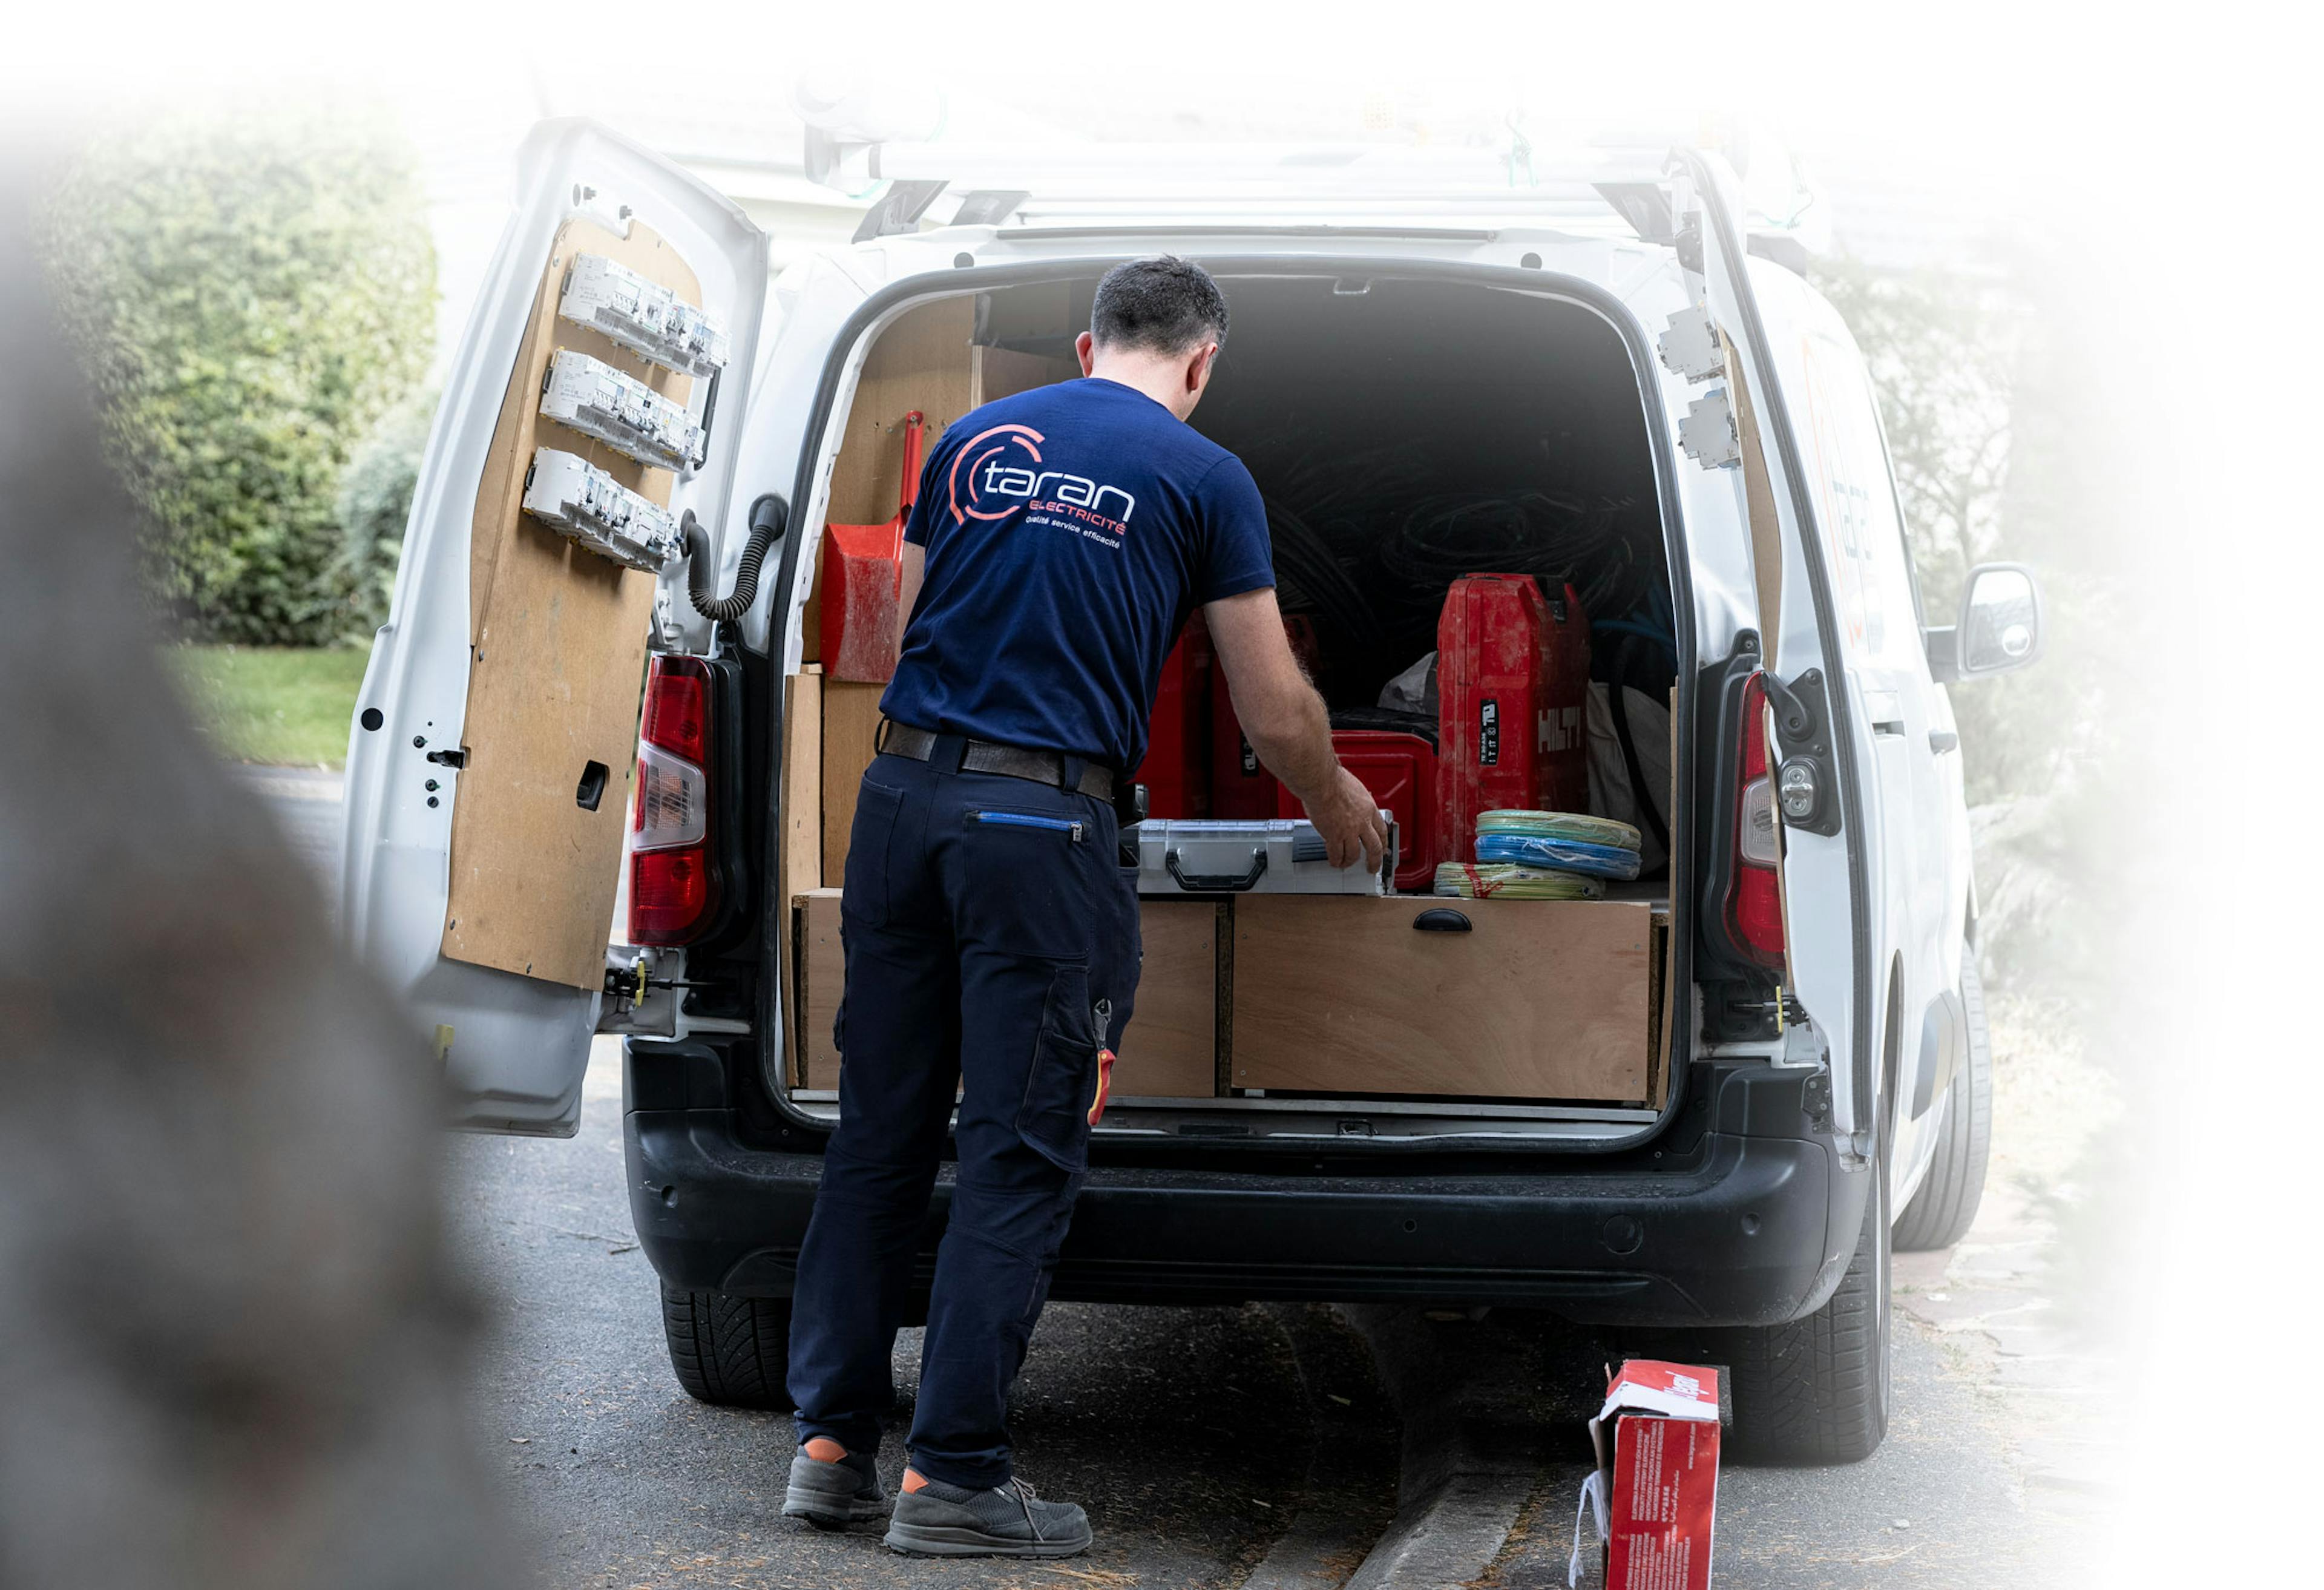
(1513, 686)
(1400, 770)
(1239, 786)
(1176, 771)
(863, 582)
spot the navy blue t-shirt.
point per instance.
(1069, 531)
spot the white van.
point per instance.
(1700, 1104)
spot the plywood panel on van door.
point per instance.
(559, 639)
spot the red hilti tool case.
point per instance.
(1513, 683)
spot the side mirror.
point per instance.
(2000, 626)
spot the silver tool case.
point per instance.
(1250, 855)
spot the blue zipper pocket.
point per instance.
(1026, 819)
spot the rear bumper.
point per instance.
(1751, 1229)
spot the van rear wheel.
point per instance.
(1943, 1209)
(1816, 1390)
(729, 1352)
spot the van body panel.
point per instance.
(513, 1047)
(1919, 877)
(1826, 885)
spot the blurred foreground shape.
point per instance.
(231, 1347)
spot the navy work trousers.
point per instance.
(992, 945)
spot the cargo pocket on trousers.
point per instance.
(1059, 1089)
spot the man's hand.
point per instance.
(1349, 821)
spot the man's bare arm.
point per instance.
(1285, 721)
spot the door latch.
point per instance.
(1803, 778)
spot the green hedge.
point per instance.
(251, 294)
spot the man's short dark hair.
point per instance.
(1166, 305)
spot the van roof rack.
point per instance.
(1594, 186)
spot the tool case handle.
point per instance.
(1217, 883)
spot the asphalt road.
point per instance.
(1196, 1436)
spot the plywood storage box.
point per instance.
(1171, 1049)
(1535, 999)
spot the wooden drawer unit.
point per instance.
(1171, 1049)
(1537, 999)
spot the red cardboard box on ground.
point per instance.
(1655, 1490)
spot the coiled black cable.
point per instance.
(768, 515)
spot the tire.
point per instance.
(729, 1352)
(1816, 1390)
(1942, 1211)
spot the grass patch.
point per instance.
(289, 705)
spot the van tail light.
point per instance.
(1754, 906)
(672, 891)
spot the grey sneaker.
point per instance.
(834, 1495)
(946, 1521)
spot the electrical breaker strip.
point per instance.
(597, 400)
(589, 506)
(642, 316)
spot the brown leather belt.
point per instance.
(982, 756)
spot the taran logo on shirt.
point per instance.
(993, 468)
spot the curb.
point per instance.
(1341, 1517)
(1450, 1536)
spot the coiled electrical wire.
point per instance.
(1559, 825)
(1469, 880)
(1569, 856)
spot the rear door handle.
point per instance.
(1942, 740)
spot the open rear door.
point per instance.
(1819, 777)
(598, 394)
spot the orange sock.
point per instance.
(914, 1479)
(824, 1449)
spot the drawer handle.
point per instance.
(1217, 883)
(1440, 919)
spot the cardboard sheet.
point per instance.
(802, 808)
(1000, 373)
(820, 978)
(850, 721)
(560, 641)
(921, 361)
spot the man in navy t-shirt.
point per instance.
(1059, 539)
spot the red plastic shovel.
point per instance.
(863, 582)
